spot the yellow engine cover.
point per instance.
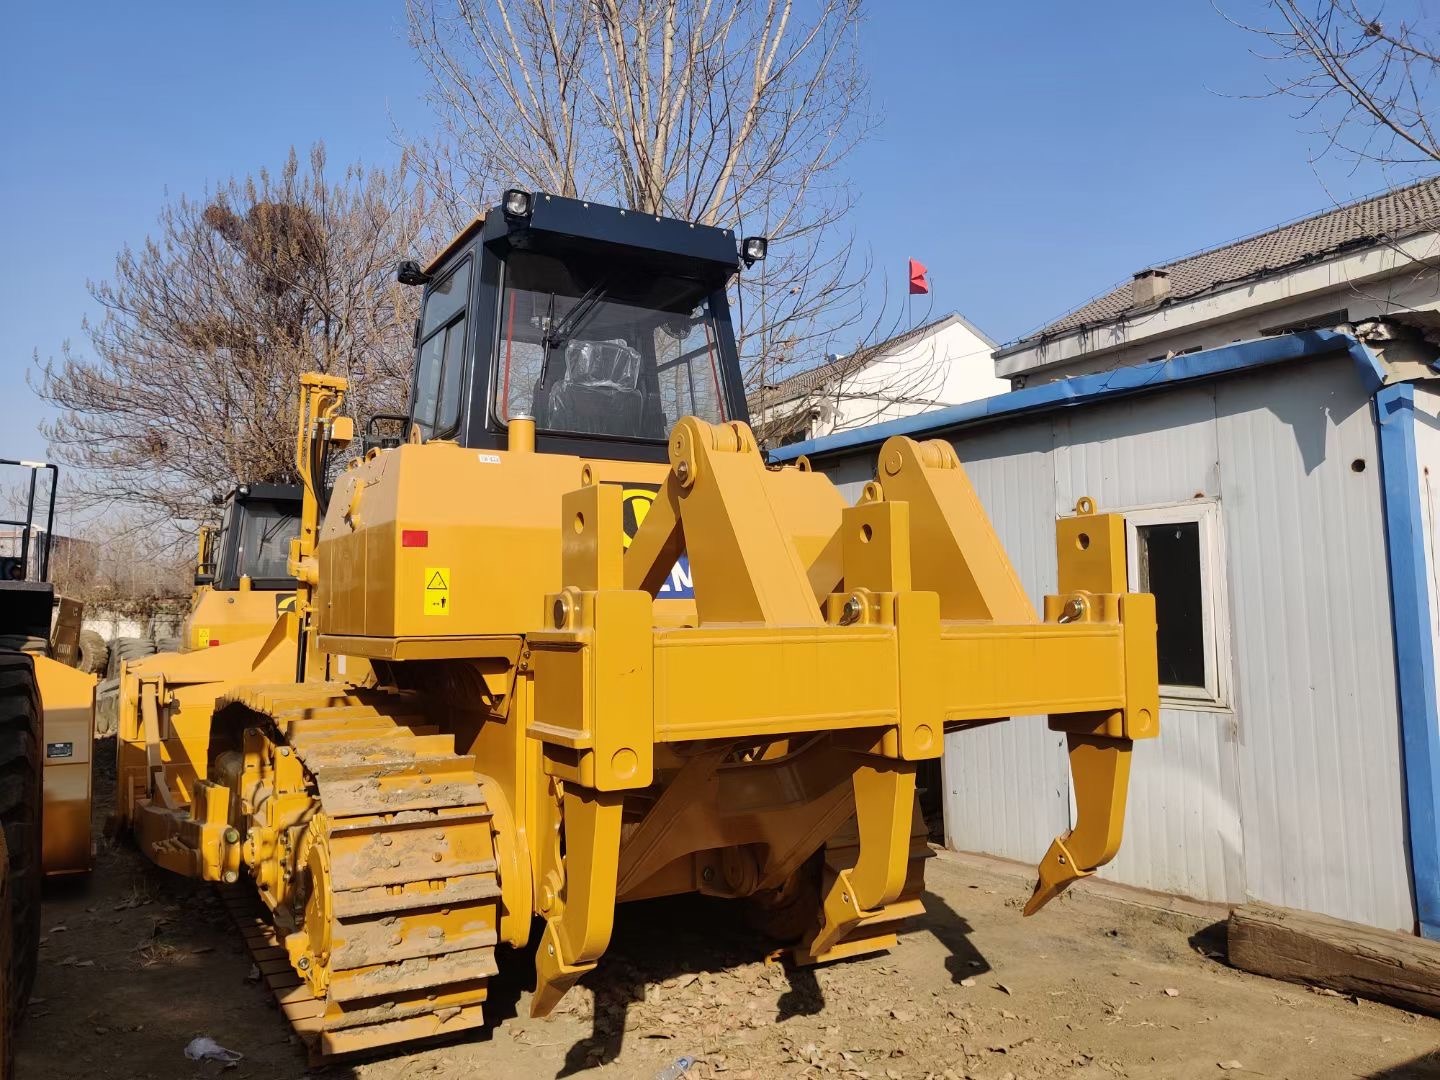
(223, 616)
(440, 541)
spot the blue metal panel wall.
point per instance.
(1410, 611)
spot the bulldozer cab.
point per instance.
(242, 582)
(605, 326)
(253, 540)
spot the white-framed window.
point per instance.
(1176, 553)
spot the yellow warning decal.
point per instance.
(202, 637)
(635, 504)
(437, 590)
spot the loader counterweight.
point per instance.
(509, 704)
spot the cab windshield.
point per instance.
(595, 347)
(266, 530)
(254, 542)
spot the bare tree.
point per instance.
(1365, 73)
(117, 568)
(192, 376)
(735, 113)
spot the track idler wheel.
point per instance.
(309, 946)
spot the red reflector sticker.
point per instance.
(414, 538)
(214, 641)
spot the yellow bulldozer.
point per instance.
(45, 706)
(572, 642)
(242, 584)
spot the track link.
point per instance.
(390, 935)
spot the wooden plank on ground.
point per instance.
(1298, 946)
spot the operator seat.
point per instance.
(594, 389)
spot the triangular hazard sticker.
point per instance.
(436, 582)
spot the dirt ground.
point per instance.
(135, 963)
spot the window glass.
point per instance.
(266, 530)
(439, 370)
(427, 381)
(1170, 567)
(446, 299)
(447, 413)
(687, 365)
(205, 564)
(226, 576)
(589, 346)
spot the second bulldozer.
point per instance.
(242, 588)
(242, 583)
(573, 643)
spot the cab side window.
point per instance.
(439, 385)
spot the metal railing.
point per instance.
(28, 529)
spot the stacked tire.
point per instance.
(24, 643)
(94, 653)
(127, 649)
(107, 692)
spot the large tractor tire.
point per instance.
(9, 1012)
(94, 653)
(167, 644)
(20, 808)
(128, 648)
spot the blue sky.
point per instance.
(1031, 156)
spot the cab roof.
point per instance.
(461, 239)
(272, 492)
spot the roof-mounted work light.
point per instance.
(753, 249)
(516, 204)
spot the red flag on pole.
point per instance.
(918, 282)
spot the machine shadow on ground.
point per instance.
(1424, 1067)
(659, 940)
(131, 926)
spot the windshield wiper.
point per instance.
(555, 336)
(576, 316)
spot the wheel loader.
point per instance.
(572, 643)
(45, 743)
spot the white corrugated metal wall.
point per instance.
(1293, 793)
(1183, 828)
